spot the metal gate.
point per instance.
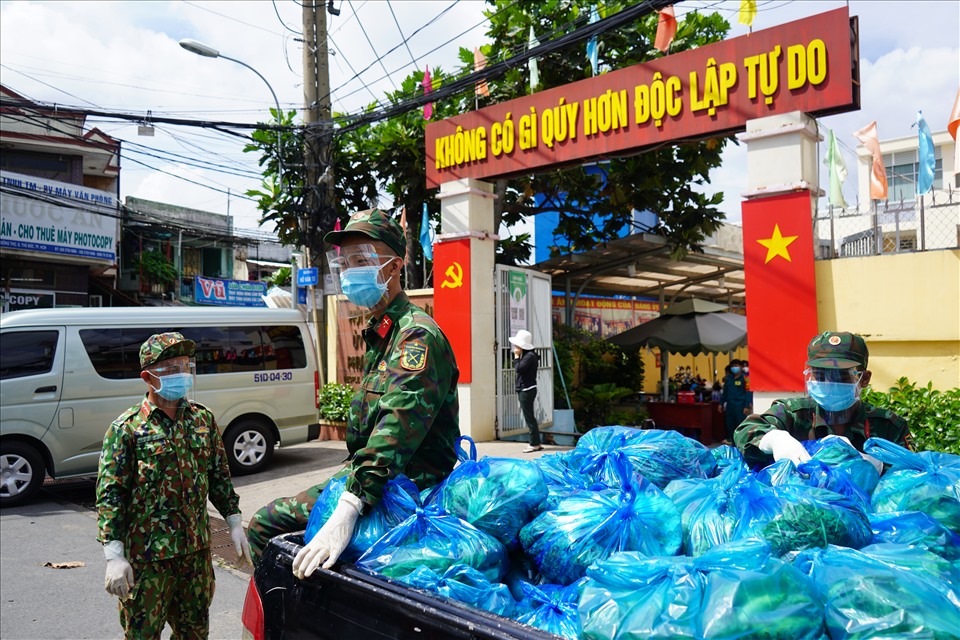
(523, 299)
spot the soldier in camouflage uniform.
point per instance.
(404, 417)
(836, 373)
(160, 462)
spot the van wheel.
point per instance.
(21, 473)
(249, 444)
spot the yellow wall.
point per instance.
(906, 306)
(701, 364)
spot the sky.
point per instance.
(124, 56)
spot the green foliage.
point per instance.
(933, 416)
(157, 268)
(281, 277)
(598, 374)
(626, 417)
(335, 401)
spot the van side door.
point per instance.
(31, 379)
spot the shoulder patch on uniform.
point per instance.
(413, 355)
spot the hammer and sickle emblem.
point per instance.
(454, 275)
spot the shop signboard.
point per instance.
(17, 299)
(229, 293)
(809, 65)
(56, 217)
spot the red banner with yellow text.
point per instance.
(451, 296)
(808, 65)
(781, 289)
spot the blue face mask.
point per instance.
(734, 370)
(175, 386)
(362, 286)
(833, 396)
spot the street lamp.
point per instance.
(209, 52)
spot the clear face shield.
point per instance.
(833, 389)
(358, 275)
(173, 380)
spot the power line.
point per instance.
(379, 58)
(25, 75)
(498, 69)
(402, 37)
(288, 28)
(223, 15)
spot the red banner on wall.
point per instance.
(451, 295)
(808, 65)
(781, 289)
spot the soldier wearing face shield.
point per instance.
(404, 417)
(161, 460)
(836, 374)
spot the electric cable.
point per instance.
(285, 26)
(379, 58)
(402, 37)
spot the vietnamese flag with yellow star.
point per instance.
(781, 289)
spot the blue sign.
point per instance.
(308, 277)
(229, 293)
(301, 295)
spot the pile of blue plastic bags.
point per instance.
(649, 534)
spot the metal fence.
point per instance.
(927, 224)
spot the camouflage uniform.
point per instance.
(404, 417)
(805, 420)
(154, 479)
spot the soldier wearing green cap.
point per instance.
(836, 373)
(161, 460)
(404, 417)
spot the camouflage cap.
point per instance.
(375, 224)
(837, 350)
(162, 346)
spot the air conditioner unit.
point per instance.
(96, 301)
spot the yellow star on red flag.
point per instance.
(777, 245)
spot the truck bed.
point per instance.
(347, 603)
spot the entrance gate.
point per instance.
(523, 302)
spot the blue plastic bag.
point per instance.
(839, 454)
(884, 591)
(400, 500)
(725, 456)
(926, 481)
(731, 506)
(737, 590)
(815, 473)
(814, 517)
(562, 480)
(917, 529)
(496, 495)
(589, 526)
(659, 456)
(552, 608)
(464, 584)
(430, 538)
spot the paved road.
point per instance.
(43, 603)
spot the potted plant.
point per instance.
(334, 409)
(157, 270)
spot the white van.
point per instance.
(66, 374)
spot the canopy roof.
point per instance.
(640, 265)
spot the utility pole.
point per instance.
(318, 191)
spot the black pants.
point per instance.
(526, 407)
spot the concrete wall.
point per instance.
(907, 306)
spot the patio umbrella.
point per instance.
(688, 327)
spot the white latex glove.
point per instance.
(239, 537)
(781, 444)
(119, 577)
(331, 540)
(866, 456)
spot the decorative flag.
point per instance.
(403, 218)
(781, 288)
(532, 62)
(336, 227)
(928, 161)
(952, 124)
(666, 29)
(426, 238)
(479, 63)
(748, 11)
(593, 53)
(837, 170)
(427, 88)
(878, 175)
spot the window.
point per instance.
(27, 353)
(902, 168)
(115, 353)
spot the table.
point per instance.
(702, 418)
